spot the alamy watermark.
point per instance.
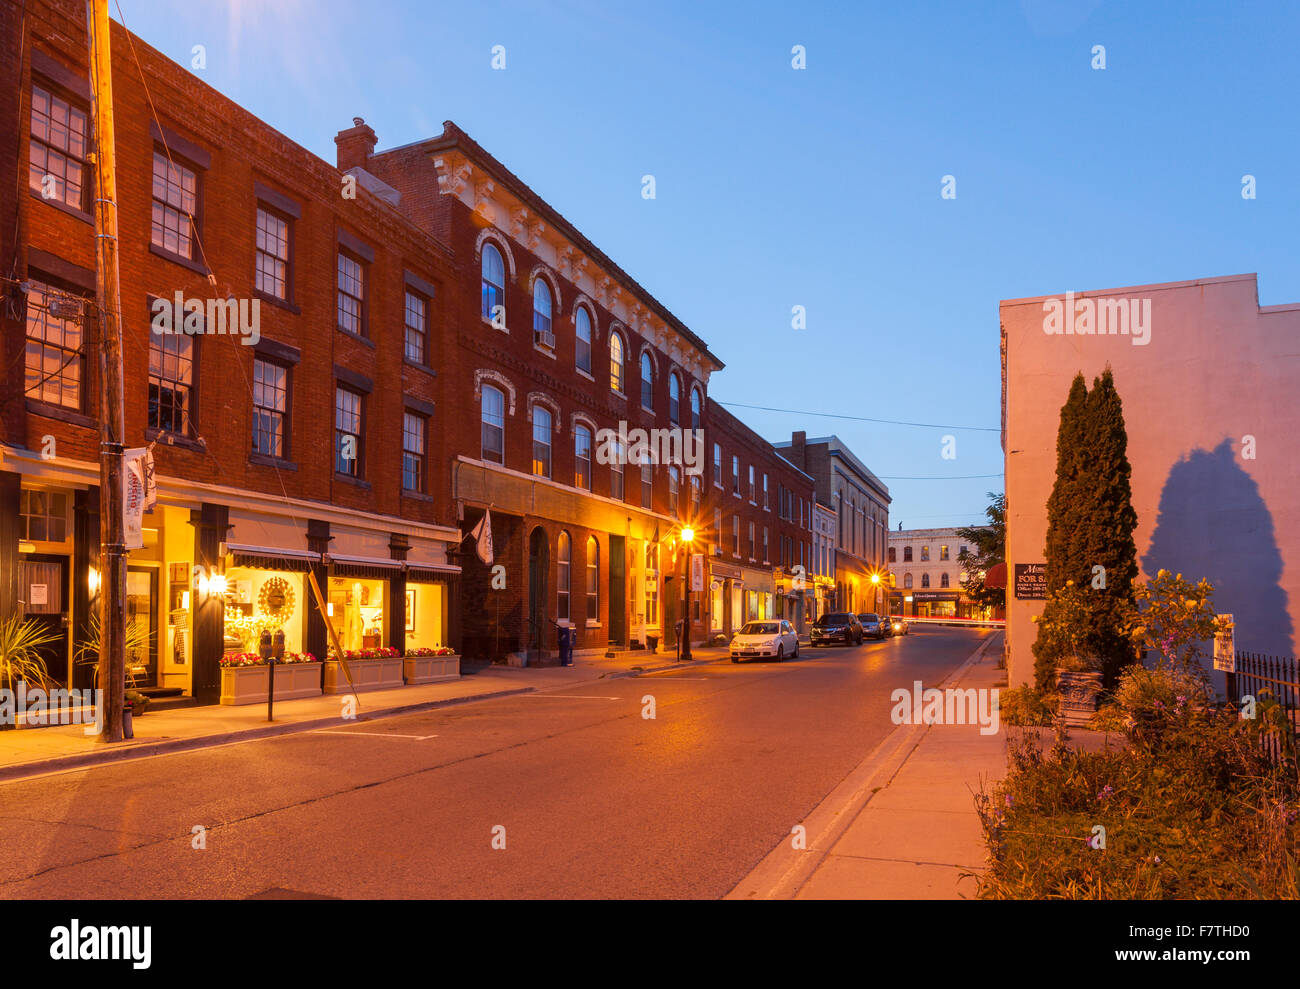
(233, 317)
(953, 706)
(38, 707)
(674, 447)
(1099, 317)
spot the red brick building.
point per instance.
(310, 440)
(551, 348)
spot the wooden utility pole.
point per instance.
(112, 537)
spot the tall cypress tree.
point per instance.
(1064, 514)
(1105, 537)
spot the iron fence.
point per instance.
(1274, 683)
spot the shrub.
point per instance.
(1025, 706)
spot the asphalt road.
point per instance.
(595, 800)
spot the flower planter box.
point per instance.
(427, 669)
(378, 673)
(247, 684)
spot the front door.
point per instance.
(43, 586)
(538, 567)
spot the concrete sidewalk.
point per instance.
(33, 751)
(903, 824)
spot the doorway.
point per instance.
(539, 559)
(43, 587)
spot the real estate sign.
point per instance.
(1031, 581)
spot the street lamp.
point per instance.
(688, 537)
(875, 591)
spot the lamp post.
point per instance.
(875, 591)
(688, 539)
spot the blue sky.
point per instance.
(821, 187)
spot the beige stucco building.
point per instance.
(1209, 382)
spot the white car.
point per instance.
(775, 639)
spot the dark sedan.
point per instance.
(872, 625)
(836, 626)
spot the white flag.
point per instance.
(482, 534)
(133, 496)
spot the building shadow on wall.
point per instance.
(1213, 523)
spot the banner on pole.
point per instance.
(133, 497)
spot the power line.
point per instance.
(837, 415)
(951, 477)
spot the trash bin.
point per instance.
(652, 643)
(566, 646)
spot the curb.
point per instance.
(145, 750)
(783, 871)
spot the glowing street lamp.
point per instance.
(688, 539)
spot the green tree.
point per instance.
(1090, 523)
(988, 547)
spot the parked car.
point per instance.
(836, 626)
(898, 625)
(872, 625)
(772, 639)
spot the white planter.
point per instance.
(427, 669)
(379, 673)
(247, 684)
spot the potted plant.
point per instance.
(1078, 672)
(245, 676)
(20, 658)
(372, 668)
(424, 664)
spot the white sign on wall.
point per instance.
(1225, 656)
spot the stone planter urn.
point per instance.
(1079, 692)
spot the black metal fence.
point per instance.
(1271, 680)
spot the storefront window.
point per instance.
(264, 600)
(357, 611)
(426, 615)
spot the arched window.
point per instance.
(582, 340)
(593, 579)
(647, 382)
(943, 580)
(582, 457)
(616, 363)
(925, 580)
(907, 580)
(494, 425)
(674, 399)
(541, 441)
(695, 408)
(542, 313)
(564, 557)
(673, 477)
(494, 285)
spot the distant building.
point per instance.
(860, 503)
(927, 575)
(823, 553)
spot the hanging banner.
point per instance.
(697, 571)
(133, 496)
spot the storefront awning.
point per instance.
(271, 557)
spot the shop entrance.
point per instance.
(142, 614)
(43, 584)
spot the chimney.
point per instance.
(798, 443)
(355, 145)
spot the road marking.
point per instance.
(377, 734)
(585, 697)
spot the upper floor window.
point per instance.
(943, 552)
(943, 579)
(717, 464)
(617, 363)
(647, 486)
(57, 154)
(270, 408)
(735, 476)
(171, 382)
(271, 274)
(175, 201)
(494, 425)
(696, 495)
(541, 441)
(765, 496)
(582, 457)
(695, 408)
(351, 294)
(673, 482)
(494, 286)
(542, 314)
(347, 431)
(925, 580)
(907, 580)
(417, 312)
(893, 555)
(735, 535)
(907, 554)
(925, 553)
(647, 382)
(674, 399)
(414, 429)
(582, 340)
(751, 482)
(56, 359)
(616, 471)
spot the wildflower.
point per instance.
(1106, 791)
(1009, 800)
